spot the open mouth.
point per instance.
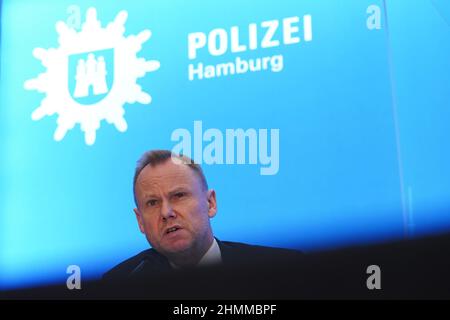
(172, 230)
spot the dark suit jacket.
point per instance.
(150, 263)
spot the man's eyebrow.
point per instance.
(150, 195)
(179, 189)
(172, 192)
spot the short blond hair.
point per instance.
(156, 157)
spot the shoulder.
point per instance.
(132, 265)
(243, 252)
(245, 247)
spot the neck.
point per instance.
(192, 256)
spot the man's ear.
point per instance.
(212, 203)
(139, 220)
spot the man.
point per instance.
(173, 209)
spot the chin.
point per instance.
(178, 246)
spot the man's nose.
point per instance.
(167, 210)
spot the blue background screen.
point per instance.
(348, 115)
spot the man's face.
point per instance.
(173, 208)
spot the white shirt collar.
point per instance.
(211, 257)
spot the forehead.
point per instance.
(166, 175)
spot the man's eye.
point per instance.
(180, 194)
(152, 203)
